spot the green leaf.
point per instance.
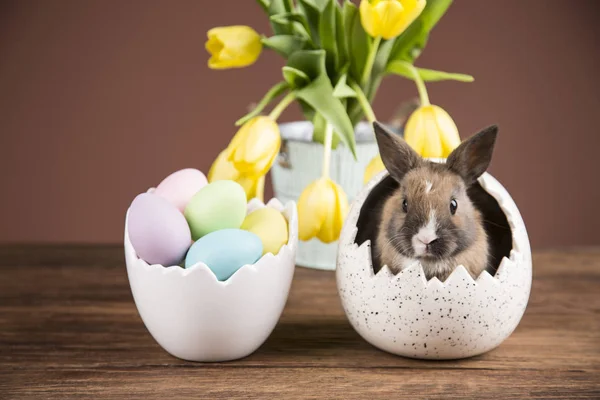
(294, 77)
(307, 110)
(291, 17)
(319, 5)
(411, 42)
(285, 45)
(381, 59)
(319, 95)
(431, 75)
(359, 43)
(434, 10)
(272, 94)
(311, 62)
(340, 33)
(354, 111)
(402, 68)
(328, 36)
(342, 90)
(378, 72)
(319, 125)
(280, 7)
(312, 16)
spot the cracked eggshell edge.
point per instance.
(196, 317)
(407, 315)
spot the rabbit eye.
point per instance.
(453, 206)
(404, 205)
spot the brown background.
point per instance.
(101, 99)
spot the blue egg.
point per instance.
(225, 251)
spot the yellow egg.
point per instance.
(270, 226)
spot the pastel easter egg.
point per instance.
(218, 205)
(270, 226)
(181, 186)
(225, 251)
(157, 230)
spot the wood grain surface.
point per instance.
(69, 329)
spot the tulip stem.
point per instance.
(327, 152)
(282, 105)
(364, 102)
(370, 61)
(420, 85)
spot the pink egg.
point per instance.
(180, 186)
(157, 231)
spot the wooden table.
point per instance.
(69, 328)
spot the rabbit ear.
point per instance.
(473, 156)
(397, 156)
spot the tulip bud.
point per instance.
(431, 132)
(233, 47)
(223, 169)
(255, 146)
(389, 18)
(254, 187)
(322, 208)
(374, 167)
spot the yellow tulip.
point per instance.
(249, 156)
(233, 47)
(374, 167)
(223, 169)
(389, 18)
(322, 208)
(254, 187)
(431, 132)
(254, 147)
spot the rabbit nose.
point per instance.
(427, 240)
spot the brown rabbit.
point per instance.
(430, 218)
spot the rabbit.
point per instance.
(430, 218)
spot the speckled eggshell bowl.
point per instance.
(407, 315)
(196, 317)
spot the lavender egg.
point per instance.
(157, 230)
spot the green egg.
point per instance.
(218, 205)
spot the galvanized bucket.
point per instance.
(300, 162)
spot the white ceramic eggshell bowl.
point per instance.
(407, 315)
(195, 317)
